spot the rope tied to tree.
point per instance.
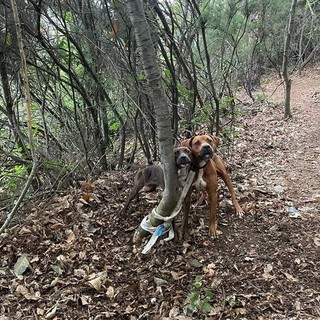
(166, 226)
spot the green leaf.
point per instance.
(63, 43)
(33, 106)
(68, 16)
(141, 77)
(194, 297)
(197, 282)
(18, 169)
(19, 150)
(206, 307)
(115, 126)
(191, 307)
(208, 294)
(166, 72)
(8, 39)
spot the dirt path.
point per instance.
(83, 264)
(303, 160)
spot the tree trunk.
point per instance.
(287, 80)
(301, 51)
(162, 114)
(29, 117)
(9, 109)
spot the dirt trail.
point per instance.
(302, 155)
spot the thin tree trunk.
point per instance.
(287, 80)
(9, 112)
(162, 114)
(29, 118)
(301, 51)
(209, 72)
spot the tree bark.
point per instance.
(162, 114)
(287, 80)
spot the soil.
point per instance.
(72, 257)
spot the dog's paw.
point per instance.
(214, 232)
(240, 213)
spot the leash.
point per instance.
(166, 226)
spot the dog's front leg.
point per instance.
(213, 202)
(186, 210)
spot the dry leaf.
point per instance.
(281, 299)
(21, 265)
(40, 312)
(57, 226)
(57, 269)
(177, 275)
(316, 241)
(160, 281)
(80, 273)
(86, 197)
(216, 282)
(239, 311)
(209, 270)
(51, 312)
(25, 230)
(317, 198)
(96, 283)
(266, 272)
(129, 309)
(21, 291)
(110, 292)
(215, 311)
(195, 263)
(71, 236)
(85, 300)
(174, 312)
(63, 203)
(87, 187)
(290, 277)
(54, 282)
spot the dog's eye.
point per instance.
(197, 143)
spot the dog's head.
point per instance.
(202, 146)
(182, 156)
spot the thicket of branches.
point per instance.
(90, 104)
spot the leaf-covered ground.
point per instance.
(77, 260)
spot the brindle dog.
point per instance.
(153, 176)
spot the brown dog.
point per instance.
(153, 176)
(207, 166)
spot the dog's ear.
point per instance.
(190, 142)
(186, 143)
(215, 141)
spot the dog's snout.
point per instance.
(184, 158)
(206, 151)
(206, 147)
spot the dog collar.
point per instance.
(197, 168)
(204, 165)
